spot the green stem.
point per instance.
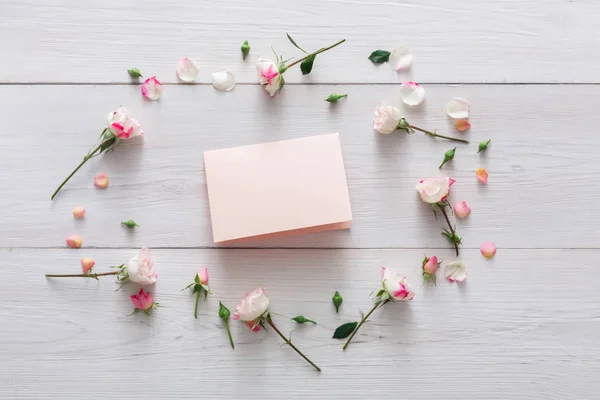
(311, 321)
(229, 334)
(95, 276)
(321, 50)
(270, 322)
(85, 159)
(443, 208)
(362, 321)
(433, 134)
(196, 307)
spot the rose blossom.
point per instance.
(253, 306)
(386, 118)
(431, 265)
(455, 271)
(203, 276)
(122, 125)
(462, 210)
(269, 75)
(395, 285)
(434, 190)
(141, 268)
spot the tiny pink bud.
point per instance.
(142, 300)
(462, 210)
(79, 212)
(431, 266)
(101, 180)
(462, 125)
(482, 175)
(203, 276)
(74, 241)
(488, 249)
(87, 264)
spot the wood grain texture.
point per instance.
(470, 41)
(541, 161)
(523, 325)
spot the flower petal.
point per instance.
(74, 241)
(458, 108)
(187, 69)
(482, 175)
(462, 125)
(79, 212)
(152, 88)
(455, 271)
(87, 264)
(412, 93)
(401, 58)
(488, 249)
(462, 210)
(101, 180)
(223, 80)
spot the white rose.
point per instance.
(386, 118)
(395, 285)
(254, 305)
(122, 125)
(268, 74)
(434, 190)
(141, 268)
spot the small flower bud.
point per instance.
(101, 180)
(484, 145)
(134, 73)
(337, 301)
(78, 212)
(74, 241)
(488, 249)
(87, 264)
(301, 320)
(403, 124)
(462, 210)
(333, 98)
(224, 312)
(130, 223)
(449, 155)
(245, 49)
(430, 266)
(202, 277)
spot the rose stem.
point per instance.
(362, 321)
(451, 229)
(197, 299)
(270, 322)
(229, 334)
(95, 276)
(85, 159)
(321, 50)
(440, 136)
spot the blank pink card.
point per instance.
(277, 189)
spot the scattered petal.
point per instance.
(223, 80)
(462, 125)
(101, 180)
(87, 264)
(74, 241)
(462, 210)
(488, 249)
(412, 93)
(79, 212)
(482, 175)
(187, 70)
(458, 108)
(152, 88)
(401, 58)
(455, 271)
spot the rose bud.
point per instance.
(101, 180)
(74, 241)
(448, 156)
(203, 276)
(78, 212)
(484, 145)
(245, 49)
(130, 223)
(488, 249)
(143, 302)
(337, 301)
(87, 264)
(134, 73)
(302, 320)
(430, 266)
(462, 210)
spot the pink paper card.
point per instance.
(277, 189)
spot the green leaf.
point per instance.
(107, 144)
(380, 56)
(343, 331)
(333, 98)
(294, 43)
(307, 65)
(187, 287)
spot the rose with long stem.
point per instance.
(452, 234)
(92, 275)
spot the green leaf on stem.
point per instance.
(307, 65)
(380, 56)
(343, 331)
(295, 44)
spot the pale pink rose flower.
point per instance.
(101, 180)
(122, 125)
(462, 210)
(488, 249)
(412, 93)
(396, 285)
(482, 175)
(87, 264)
(434, 190)
(431, 266)
(142, 300)
(152, 88)
(203, 276)
(254, 305)
(187, 70)
(74, 241)
(386, 118)
(455, 271)
(79, 212)
(141, 268)
(269, 75)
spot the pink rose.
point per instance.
(269, 75)
(395, 285)
(141, 268)
(252, 307)
(203, 276)
(435, 190)
(462, 210)
(142, 300)
(122, 125)
(431, 265)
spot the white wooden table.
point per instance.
(524, 325)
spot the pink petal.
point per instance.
(87, 264)
(101, 180)
(482, 175)
(187, 70)
(152, 88)
(412, 93)
(462, 210)
(462, 125)
(488, 249)
(401, 58)
(74, 241)
(78, 212)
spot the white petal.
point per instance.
(187, 69)
(458, 108)
(412, 93)
(223, 80)
(401, 58)
(455, 271)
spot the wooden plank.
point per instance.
(541, 162)
(485, 41)
(524, 325)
